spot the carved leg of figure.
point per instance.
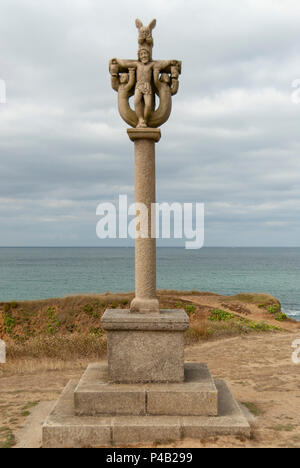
(148, 98)
(139, 109)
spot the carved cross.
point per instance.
(144, 78)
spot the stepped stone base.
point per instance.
(196, 396)
(63, 429)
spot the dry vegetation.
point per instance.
(70, 328)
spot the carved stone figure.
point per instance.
(146, 83)
(124, 84)
(145, 32)
(165, 89)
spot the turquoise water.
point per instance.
(38, 273)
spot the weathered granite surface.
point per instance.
(145, 78)
(145, 348)
(196, 396)
(62, 429)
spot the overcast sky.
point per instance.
(232, 141)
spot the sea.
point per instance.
(41, 273)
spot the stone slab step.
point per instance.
(62, 429)
(196, 396)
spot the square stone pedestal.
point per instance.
(145, 347)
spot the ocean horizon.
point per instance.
(32, 273)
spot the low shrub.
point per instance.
(219, 315)
(190, 309)
(273, 308)
(9, 323)
(88, 309)
(281, 317)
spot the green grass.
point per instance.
(218, 315)
(9, 306)
(260, 326)
(8, 322)
(53, 324)
(63, 347)
(202, 330)
(88, 309)
(8, 439)
(252, 408)
(30, 404)
(281, 317)
(273, 309)
(283, 428)
(96, 331)
(258, 299)
(4, 429)
(190, 309)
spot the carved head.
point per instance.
(144, 55)
(174, 72)
(145, 32)
(165, 78)
(124, 77)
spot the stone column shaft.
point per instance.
(145, 249)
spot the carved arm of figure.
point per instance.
(131, 81)
(113, 67)
(115, 82)
(163, 64)
(124, 63)
(175, 82)
(157, 83)
(126, 89)
(174, 86)
(114, 71)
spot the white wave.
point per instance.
(292, 313)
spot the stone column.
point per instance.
(144, 139)
(145, 344)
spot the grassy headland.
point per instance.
(70, 327)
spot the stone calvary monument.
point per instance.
(146, 392)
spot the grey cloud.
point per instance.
(232, 140)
